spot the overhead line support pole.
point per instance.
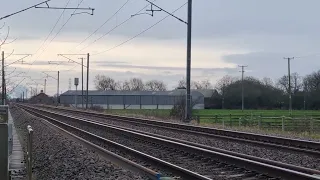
(87, 95)
(58, 81)
(3, 80)
(82, 82)
(188, 73)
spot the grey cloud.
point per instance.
(211, 18)
(164, 68)
(272, 64)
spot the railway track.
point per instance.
(206, 162)
(296, 145)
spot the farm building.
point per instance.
(132, 99)
(41, 98)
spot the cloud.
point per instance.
(273, 64)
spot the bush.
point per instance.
(97, 108)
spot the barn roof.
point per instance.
(128, 93)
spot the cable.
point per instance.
(124, 42)
(56, 34)
(123, 22)
(53, 27)
(105, 22)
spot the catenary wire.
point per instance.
(130, 39)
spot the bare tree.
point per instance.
(103, 82)
(296, 83)
(267, 81)
(155, 85)
(125, 85)
(312, 82)
(204, 84)
(182, 84)
(136, 84)
(223, 83)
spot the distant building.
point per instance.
(132, 99)
(41, 98)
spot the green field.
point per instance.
(257, 112)
(298, 121)
(219, 112)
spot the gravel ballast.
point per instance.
(56, 157)
(298, 159)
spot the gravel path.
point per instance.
(294, 158)
(57, 158)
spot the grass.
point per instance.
(256, 112)
(160, 113)
(264, 120)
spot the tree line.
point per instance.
(262, 93)
(103, 82)
(267, 94)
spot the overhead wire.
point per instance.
(104, 23)
(114, 28)
(53, 27)
(130, 39)
(57, 33)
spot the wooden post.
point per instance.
(311, 125)
(223, 122)
(259, 121)
(282, 123)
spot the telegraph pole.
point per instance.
(3, 81)
(87, 95)
(289, 84)
(242, 87)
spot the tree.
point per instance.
(182, 84)
(136, 84)
(296, 83)
(267, 81)
(221, 86)
(104, 83)
(125, 85)
(204, 84)
(155, 85)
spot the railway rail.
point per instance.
(208, 162)
(296, 145)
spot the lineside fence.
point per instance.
(304, 123)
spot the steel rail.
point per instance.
(296, 145)
(184, 173)
(269, 169)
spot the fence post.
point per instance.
(216, 118)
(259, 121)
(311, 125)
(29, 153)
(282, 124)
(239, 121)
(222, 122)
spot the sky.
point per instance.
(225, 34)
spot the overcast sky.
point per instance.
(226, 33)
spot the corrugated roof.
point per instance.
(206, 92)
(128, 93)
